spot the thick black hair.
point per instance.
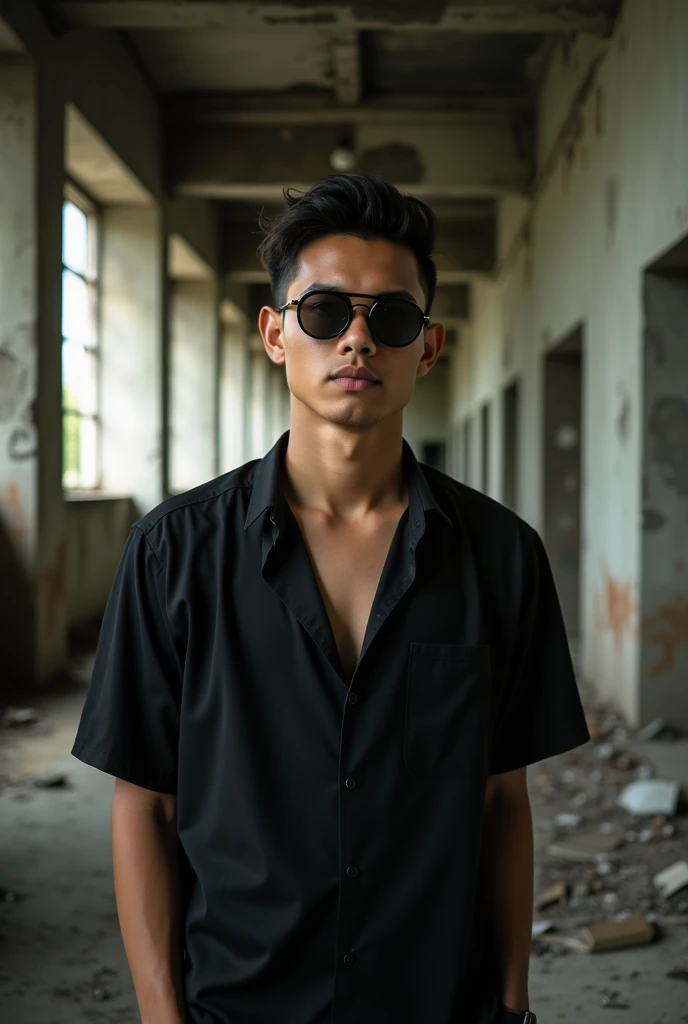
(346, 204)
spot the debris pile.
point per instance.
(614, 871)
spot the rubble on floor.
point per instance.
(614, 871)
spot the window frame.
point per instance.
(75, 194)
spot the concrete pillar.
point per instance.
(132, 331)
(259, 365)
(194, 325)
(33, 556)
(234, 356)
(277, 388)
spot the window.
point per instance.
(80, 352)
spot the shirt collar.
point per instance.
(267, 488)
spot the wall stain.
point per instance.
(22, 444)
(52, 587)
(667, 628)
(653, 520)
(655, 347)
(17, 525)
(13, 378)
(668, 428)
(615, 607)
(623, 418)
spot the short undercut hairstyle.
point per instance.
(346, 204)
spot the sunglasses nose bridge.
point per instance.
(365, 317)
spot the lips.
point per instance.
(354, 378)
(354, 383)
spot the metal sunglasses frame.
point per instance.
(347, 296)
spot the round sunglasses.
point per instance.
(392, 320)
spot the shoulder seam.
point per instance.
(197, 501)
(150, 547)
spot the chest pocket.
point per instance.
(447, 709)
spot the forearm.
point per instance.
(144, 846)
(508, 874)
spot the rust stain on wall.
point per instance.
(667, 628)
(52, 587)
(17, 525)
(615, 607)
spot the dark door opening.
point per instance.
(485, 448)
(510, 421)
(563, 403)
(466, 461)
(663, 589)
(434, 454)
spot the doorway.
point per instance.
(664, 567)
(485, 448)
(563, 404)
(466, 460)
(510, 422)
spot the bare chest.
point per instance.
(348, 563)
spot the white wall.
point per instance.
(193, 383)
(612, 199)
(425, 417)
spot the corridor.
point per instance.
(140, 142)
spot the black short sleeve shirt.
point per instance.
(330, 833)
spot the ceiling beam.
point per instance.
(449, 16)
(258, 161)
(462, 247)
(312, 107)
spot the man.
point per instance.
(321, 676)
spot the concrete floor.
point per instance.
(61, 958)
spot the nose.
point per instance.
(357, 336)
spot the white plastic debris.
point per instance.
(651, 730)
(541, 928)
(567, 820)
(650, 796)
(672, 879)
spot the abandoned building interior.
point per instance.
(139, 142)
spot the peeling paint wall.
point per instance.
(610, 198)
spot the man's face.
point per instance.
(351, 265)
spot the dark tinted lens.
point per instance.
(395, 322)
(324, 314)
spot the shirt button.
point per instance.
(350, 783)
(352, 871)
(349, 958)
(353, 697)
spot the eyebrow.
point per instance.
(320, 286)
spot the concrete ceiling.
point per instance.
(436, 96)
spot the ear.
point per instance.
(433, 345)
(270, 326)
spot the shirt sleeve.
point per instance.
(540, 712)
(129, 726)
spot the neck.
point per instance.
(342, 472)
